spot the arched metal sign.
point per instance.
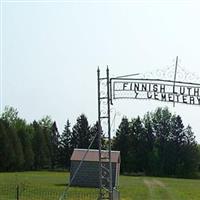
(124, 87)
(156, 89)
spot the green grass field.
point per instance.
(50, 185)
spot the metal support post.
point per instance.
(109, 135)
(99, 133)
(105, 164)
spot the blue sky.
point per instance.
(51, 50)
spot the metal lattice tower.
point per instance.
(105, 165)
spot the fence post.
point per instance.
(17, 190)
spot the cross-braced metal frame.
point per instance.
(105, 165)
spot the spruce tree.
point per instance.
(94, 136)
(81, 136)
(121, 142)
(55, 137)
(138, 144)
(65, 146)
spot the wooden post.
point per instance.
(17, 192)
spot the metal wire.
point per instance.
(79, 166)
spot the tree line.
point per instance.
(157, 144)
(39, 145)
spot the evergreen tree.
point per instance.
(25, 139)
(40, 148)
(189, 155)
(7, 154)
(122, 143)
(17, 147)
(65, 146)
(174, 145)
(95, 136)
(54, 146)
(137, 148)
(51, 136)
(24, 133)
(81, 136)
(149, 145)
(199, 157)
(161, 120)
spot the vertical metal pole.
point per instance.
(99, 133)
(111, 95)
(109, 136)
(175, 78)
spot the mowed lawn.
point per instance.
(51, 185)
(153, 188)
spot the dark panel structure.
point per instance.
(88, 173)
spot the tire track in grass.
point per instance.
(157, 190)
(149, 185)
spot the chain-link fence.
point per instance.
(30, 192)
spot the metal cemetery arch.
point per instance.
(124, 87)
